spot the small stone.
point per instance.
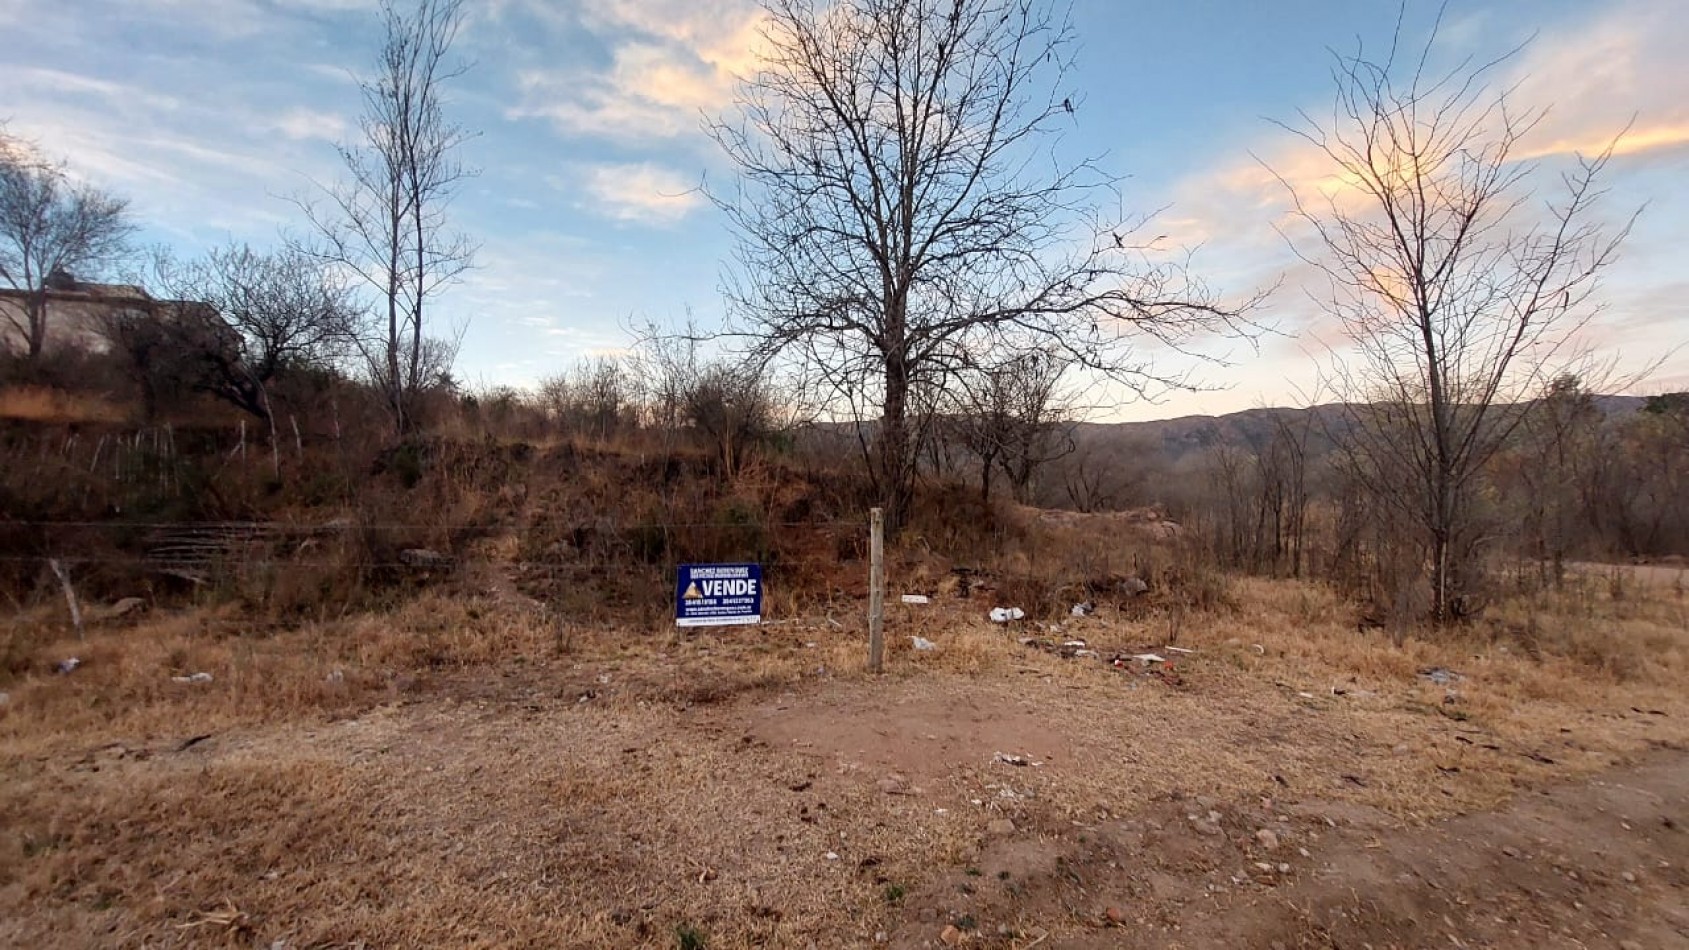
(950, 936)
(1511, 852)
(1115, 915)
(1284, 869)
(1629, 945)
(1267, 838)
(124, 608)
(1206, 828)
(1215, 817)
(1629, 878)
(894, 785)
(1001, 826)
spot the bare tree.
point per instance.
(265, 312)
(1558, 444)
(1457, 289)
(51, 225)
(899, 213)
(1013, 417)
(386, 223)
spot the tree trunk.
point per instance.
(894, 448)
(37, 307)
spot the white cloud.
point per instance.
(302, 124)
(641, 192)
(1590, 79)
(670, 60)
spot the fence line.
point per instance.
(349, 523)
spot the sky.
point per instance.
(213, 115)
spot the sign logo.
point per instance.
(718, 595)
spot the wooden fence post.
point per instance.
(876, 589)
(63, 574)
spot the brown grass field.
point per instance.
(464, 772)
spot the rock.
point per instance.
(123, 608)
(950, 936)
(1133, 586)
(1115, 915)
(1629, 945)
(1001, 826)
(1511, 852)
(1206, 828)
(894, 784)
(1628, 877)
(424, 559)
(1267, 838)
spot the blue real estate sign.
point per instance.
(716, 595)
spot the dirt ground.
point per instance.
(1282, 786)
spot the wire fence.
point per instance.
(592, 568)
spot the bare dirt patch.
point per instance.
(470, 781)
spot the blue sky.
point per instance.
(209, 114)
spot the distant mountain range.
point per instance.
(1252, 429)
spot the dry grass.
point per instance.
(56, 406)
(470, 771)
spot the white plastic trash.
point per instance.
(923, 644)
(916, 599)
(192, 678)
(1006, 614)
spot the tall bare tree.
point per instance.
(1457, 288)
(51, 224)
(900, 211)
(386, 222)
